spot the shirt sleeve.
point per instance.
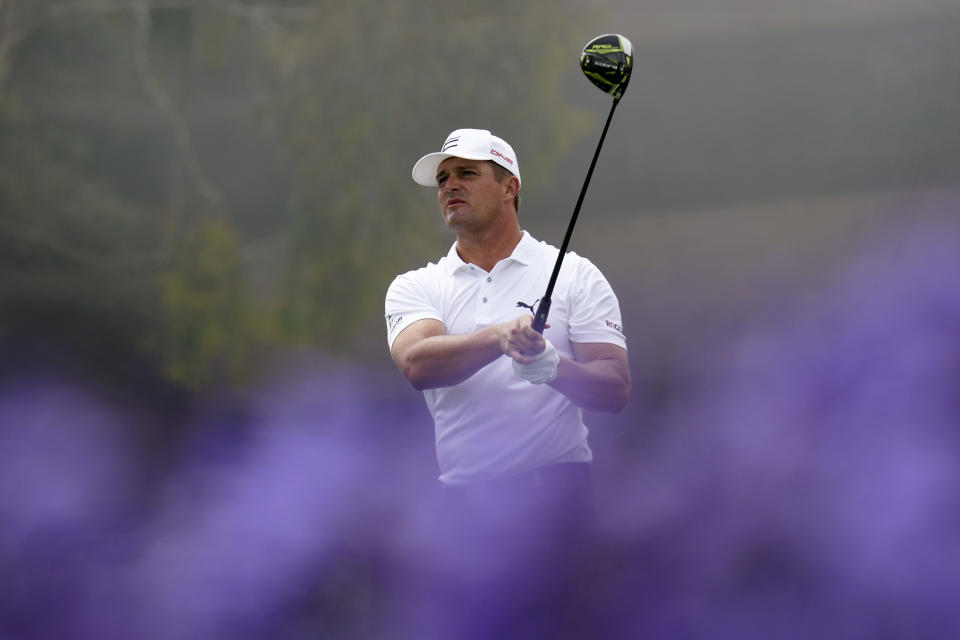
(594, 308)
(407, 301)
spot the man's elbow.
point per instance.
(620, 384)
(410, 368)
(415, 375)
(419, 375)
(420, 383)
(619, 395)
(619, 400)
(613, 403)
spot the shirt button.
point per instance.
(489, 279)
(484, 298)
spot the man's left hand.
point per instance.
(541, 368)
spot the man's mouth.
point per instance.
(453, 201)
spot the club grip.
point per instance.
(540, 317)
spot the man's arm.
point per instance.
(598, 379)
(429, 358)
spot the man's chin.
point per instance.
(454, 209)
(455, 219)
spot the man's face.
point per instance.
(469, 194)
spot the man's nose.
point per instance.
(451, 184)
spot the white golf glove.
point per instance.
(541, 370)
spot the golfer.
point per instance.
(507, 402)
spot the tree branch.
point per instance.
(13, 29)
(160, 97)
(18, 21)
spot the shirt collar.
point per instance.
(454, 261)
(524, 253)
(526, 250)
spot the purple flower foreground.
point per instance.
(806, 484)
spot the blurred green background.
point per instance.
(192, 190)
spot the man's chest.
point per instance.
(476, 299)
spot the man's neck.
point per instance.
(488, 249)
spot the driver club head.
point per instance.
(607, 61)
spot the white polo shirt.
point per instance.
(495, 423)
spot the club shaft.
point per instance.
(540, 317)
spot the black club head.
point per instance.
(607, 61)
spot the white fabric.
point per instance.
(472, 144)
(495, 423)
(542, 369)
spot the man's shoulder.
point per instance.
(428, 271)
(531, 250)
(576, 265)
(422, 281)
(580, 261)
(544, 248)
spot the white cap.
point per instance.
(471, 144)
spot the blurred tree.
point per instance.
(212, 328)
(363, 89)
(202, 181)
(75, 251)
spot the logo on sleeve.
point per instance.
(392, 322)
(614, 325)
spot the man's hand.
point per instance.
(542, 368)
(534, 358)
(519, 341)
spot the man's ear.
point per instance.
(513, 186)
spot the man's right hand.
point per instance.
(520, 341)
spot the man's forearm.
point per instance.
(598, 385)
(446, 360)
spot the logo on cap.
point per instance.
(451, 142)
(497, 153)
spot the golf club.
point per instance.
(607, 61)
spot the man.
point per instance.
(507, 401)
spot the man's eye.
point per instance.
(441, 179)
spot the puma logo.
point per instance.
(529, 306)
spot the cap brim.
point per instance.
(425, 170)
